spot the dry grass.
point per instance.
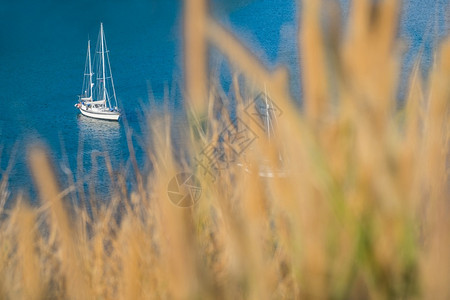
(362, 212)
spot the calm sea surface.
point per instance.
(42, 55)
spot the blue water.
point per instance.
(42, 54)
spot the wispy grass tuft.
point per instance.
(355, 207)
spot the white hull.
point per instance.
(111, 116)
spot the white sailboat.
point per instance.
(98, 99)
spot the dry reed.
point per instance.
(360, 209)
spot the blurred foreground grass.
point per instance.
(360, 208)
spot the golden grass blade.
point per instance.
(26, 251)
(71, 258)
(196, 73)
(314, 60)
(436, 262)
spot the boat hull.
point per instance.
(110, 116)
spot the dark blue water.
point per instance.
(42, 54)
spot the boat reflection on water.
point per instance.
(103, 147)
(97, 130)
(101, 135)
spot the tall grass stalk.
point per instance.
(360, 211)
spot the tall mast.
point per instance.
(103, 62)
(90, 68)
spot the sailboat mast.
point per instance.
(90, 68)
(103, 62)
